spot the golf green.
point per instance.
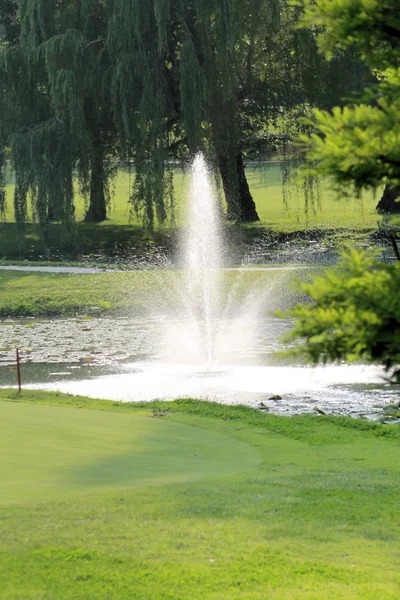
(56, 452)
(104, 501)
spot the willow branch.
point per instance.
(94, 42)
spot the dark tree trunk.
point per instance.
(241, 205)
(388, 203)
(97, 210)
(50, 213)
(248, 212)
(223, 167)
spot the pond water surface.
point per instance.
(123, 359)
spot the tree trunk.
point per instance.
(388, 203)
(248, 212)
(241, 205)
(97, 210)
(50, 212)
(223, 167)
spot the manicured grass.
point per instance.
(301, 508)
(57, 452)
(41, 294)
(122, 230)
(266, 186)
(332, 213)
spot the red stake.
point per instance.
(19, 372)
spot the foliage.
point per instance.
(9, 25)
(98, 88)
(56, 118)
(372, 25)
(218, 84)
(354, 314)
(229, 536)
(359, 145)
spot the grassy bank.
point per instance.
(58, 294)
(102, 500)
(123, 233)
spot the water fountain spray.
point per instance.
(201, 256)
(211, 323)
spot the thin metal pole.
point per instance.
(19, 372)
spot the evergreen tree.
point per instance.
(355, 309)
(374, 28)
(358, 144)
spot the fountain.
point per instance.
(192, 336)
(210, 323)
(217, 341)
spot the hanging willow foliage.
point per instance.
(2, 185)
(143, 97)
(178, 92)
(223, 76)
(150, 81)
(58, 121)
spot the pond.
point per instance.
(204, 332)
(126, 359)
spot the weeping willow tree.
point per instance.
(141, 43)
(9, 29)
(175, 89)
(227, 77)
(57, 120)
(151, 81)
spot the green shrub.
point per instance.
(354, 314)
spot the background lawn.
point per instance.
(57, 294)
(266, 185)
(102, 500)
(123, 230)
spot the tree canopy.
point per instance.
(152, 82)
(359, 144)
(56, 116)
(229, 78)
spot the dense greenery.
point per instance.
(313, 512)
(220, 73)
(56, 118)
(355, 311)
(360, 143)
(147, 83)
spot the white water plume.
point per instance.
(217, 320)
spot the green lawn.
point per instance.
(266, 187)
(55, 452)
(40, 294)
(121, 230)
(106, 501)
